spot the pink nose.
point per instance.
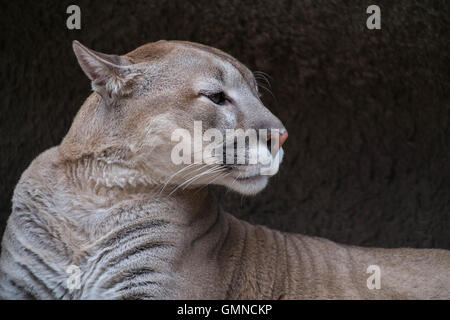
(283, 136)
(280, 138)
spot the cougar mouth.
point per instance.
(247, 178)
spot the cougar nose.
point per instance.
(283, 136)
(280, 138)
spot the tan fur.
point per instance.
(106, 200)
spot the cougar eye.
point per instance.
(218, 98)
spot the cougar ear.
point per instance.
(111, 75)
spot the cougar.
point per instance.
(108, 215)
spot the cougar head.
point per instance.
(150, 106)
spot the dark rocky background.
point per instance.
(368, 111)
